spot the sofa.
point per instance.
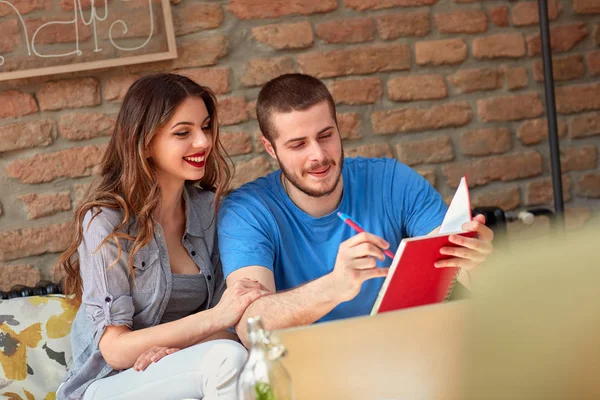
(35, 344)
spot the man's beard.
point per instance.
(297, 183)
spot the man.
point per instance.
(283, 231)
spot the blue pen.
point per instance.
(354, 225)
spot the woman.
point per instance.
(147, 267)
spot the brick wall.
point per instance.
(446, 86)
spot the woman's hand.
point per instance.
(236, 299)
(151, 355)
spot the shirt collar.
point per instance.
(196, 213)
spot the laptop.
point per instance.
(407, 354)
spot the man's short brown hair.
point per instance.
(287, 93)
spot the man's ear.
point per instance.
(268, 147)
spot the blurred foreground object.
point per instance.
(535, 323)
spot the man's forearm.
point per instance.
(300, 306)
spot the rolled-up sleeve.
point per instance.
(106, 289)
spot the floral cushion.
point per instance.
(35, 345)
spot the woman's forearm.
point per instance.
(121, 346)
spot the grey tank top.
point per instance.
(188, 294)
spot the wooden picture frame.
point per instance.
(165, 46)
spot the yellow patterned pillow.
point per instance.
(35, 345)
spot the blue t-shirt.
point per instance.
(260, 225)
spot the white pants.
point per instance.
(204, 371)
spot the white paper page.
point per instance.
(459, 211)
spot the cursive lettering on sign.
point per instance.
(79, 15)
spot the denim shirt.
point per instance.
(111, 296)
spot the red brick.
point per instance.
(297, 35)
(56, 32)
(441, 52)
(578, 158)
(428, 174)
(526, 12)
(578, 98)
(25, 135)
(254, 9)
(421, 119)
(393, 26)
(46, 167)
(361, 5)
(200, 53)
(217, 79)
(25, 6)
(247, 171)
(11, 37)
(83, 126)
(21, 274)
(563, 69)
(510, 108)
(349, 125)
(16, 104)
(461, 21)
(588, 185)
(593, 62)
(259, 71)
(355, 60)
(585, 125)
(73, 93)
(541, 191)
(257, 139)
(425, 151)
(511, 45)
(44, 205)
(586, 6)
(116, 87)
(507, 198)
(251, 109)
(79, 191)
(516, 77)
(27, 242)
(236, 143)
(417, 87)
(499, 15)
(562, 38)
(536, 130)
(191, 17)
(232, 110)
(369, 150)
(497, 168)
(472, 80)
(356, 30)
(356, 91)
(484, 142)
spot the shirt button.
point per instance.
(193, 253)
(209, 277)
(143, 264)
(107, 299)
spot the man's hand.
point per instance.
(471, 252)
(355, 263)
(236, 299)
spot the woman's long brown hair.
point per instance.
(128, 180)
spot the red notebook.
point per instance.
(413, 280)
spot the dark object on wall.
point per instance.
(551, 114)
